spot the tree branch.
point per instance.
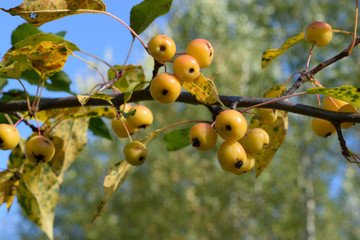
(185, 97)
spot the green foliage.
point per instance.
(143, 14)
(177, 139)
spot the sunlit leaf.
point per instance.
(276, 130)
(117, 174)
(177, 139)
(143, 14)
(10, 71)
(47, 57)
(350, 94)
(9, 181)
(83, 99)
(69, 137)
(42, 11)
(37, 194)
(35, 39)
(114, 178)
(269, 55)
(204, 90)
(133, 75)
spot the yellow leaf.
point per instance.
(9, 181)
(69, 137)
(42, 11)
(204, 90)
(269, 55)
(83, 99)
(48, 58)
(276, 130)
(38, 193)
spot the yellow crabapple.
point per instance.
(142, 117)
(186, 68)
(248, 165)
(348, 108)
(165, 88)
(135, 153)
(9, 136)
(322, 128)
(318, 33)
(203, 136)
(162, 48)
(202, 51)
(333, 104)
(266, 115)
(231, 125)
(39, 149)
(255, 140)
(231, 156)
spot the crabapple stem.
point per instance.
(309, 57)
(92, 65)
(355, 26)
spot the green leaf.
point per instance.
(269, 55)
(143, 14)
(347, 93)
(57, 82)
(133, 75)
(38, 12)
(23, 31)
(177, 139)
(3, 82)
(99, 128)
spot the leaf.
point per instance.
(23, 31)
(347, 93)
(10, 71)
(276, 130)
(3, 82)
(204, 90)
(114, 178)
(83, 99)
(99, 128)
(177, 139)
(60, 81)
(42, 11)
(269, 55)
(9, 181)
(133, 74)
(48, 57)
(38, 193)
(143, 14)
(117, 174)
(35, 39)
(70, 138)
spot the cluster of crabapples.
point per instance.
(38, 149)
(235, 154)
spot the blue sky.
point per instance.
(93, 33)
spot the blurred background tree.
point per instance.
(308, 190)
